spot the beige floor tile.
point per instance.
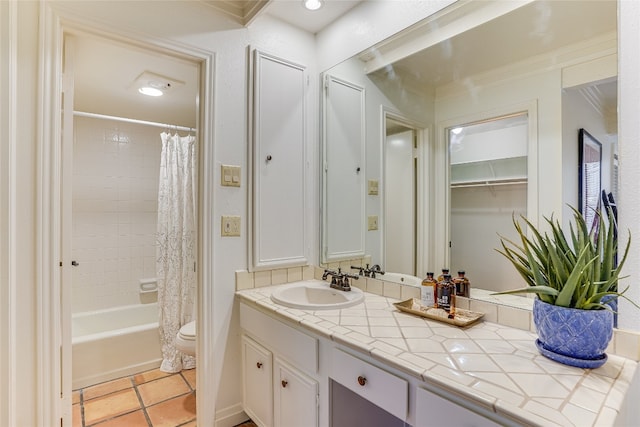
(76, 415)
(190, 376)
(106, 388)
(162, 389)
(109, 406)
(134, 419)
(173, 412)
(75, 397)
(147, 376)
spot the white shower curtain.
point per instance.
(176, 245)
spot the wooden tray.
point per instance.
(462, 317)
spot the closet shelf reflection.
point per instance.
(489, 182)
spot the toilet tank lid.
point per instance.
(189, 330)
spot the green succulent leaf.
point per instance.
(575, 269)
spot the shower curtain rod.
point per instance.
(140, 122)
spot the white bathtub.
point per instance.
(112, 343)
(403, 279)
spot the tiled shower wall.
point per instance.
(115, 193)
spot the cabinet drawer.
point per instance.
(435, 410)
(295, 346)
(372, 383)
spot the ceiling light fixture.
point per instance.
(150, 91)
(313, 4)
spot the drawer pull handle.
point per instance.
(362, 380)
(259, 365)
(284, 383)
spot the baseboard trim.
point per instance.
(230, 416)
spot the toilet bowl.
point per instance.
(186, 339)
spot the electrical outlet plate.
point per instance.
(373, 187)
(230, 226)
(230, 176)
(372, 222)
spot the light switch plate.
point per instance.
(230, 226)
(373, 187)
(372, 222)
(230, 176)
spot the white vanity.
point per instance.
(370, 364)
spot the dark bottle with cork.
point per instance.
(463, 286)
(445, 271)
(446, 295)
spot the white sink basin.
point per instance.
(316, 295)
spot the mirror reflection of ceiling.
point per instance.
(533, 29)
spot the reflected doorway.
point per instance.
(400, 197)
(488, 185)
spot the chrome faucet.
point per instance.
(339, 280)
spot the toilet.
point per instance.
(186, 339)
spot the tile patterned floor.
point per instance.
(150, 399)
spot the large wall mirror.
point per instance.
(514, 83)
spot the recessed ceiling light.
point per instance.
(313, 4)
(150, 91)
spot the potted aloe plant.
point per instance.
(573, 277)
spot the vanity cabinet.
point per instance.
(294, 379)
(279, 384)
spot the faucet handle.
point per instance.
(360, 270)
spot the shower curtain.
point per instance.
(176, 245)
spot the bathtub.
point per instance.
(112, 343)
(400, 278)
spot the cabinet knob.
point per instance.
(269, 157)
(259, 365)
(284, 383)
(362, 380)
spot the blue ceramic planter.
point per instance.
(577, 337)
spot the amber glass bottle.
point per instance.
(446, 293)
(445, 271)
(462, 284)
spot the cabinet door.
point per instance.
(295, 396)
(279, 163)
(257, 389)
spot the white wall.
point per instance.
(578, 113)
(115, 211)
(629, 149)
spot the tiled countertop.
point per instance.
(489, 364)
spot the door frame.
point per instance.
(53, 340)
(422, 183)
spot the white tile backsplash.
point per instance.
(114, 203)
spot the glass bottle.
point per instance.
(444, 272)
(446, 292)
(462, 284)
(428, 291)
